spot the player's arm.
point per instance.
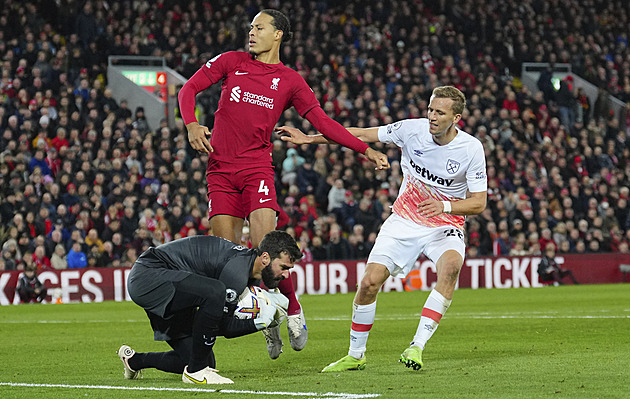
(369, 135)
(231, 327)
(474, 204)
(296, 136)
(337, 133)
(197, 134)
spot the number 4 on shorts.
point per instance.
(263, 188)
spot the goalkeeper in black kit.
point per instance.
(189, 289)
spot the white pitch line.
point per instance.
(232, 391)
(485, 316)
(464, 316)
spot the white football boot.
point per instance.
(204, 376)
(274, 341)
(298, 334)
(125, 353)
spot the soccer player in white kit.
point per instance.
(445, 179)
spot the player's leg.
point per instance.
(227, 226)
(363, 314)
(173, 361)
(190, 332)
(177, 331)
(448, 266)
(263, 221)
(395, 252)
(208, 296)
(259, 195)
(225, 207)
(364, 307)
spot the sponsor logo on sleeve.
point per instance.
(230, 295)
(480, 175)
(209, 63)
(393, 126)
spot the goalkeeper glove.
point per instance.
(282, 304)
(266, 315)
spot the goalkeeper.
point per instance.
(189, 289)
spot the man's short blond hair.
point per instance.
(459, 99)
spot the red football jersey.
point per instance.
(253, 97)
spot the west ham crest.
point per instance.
(452, 166)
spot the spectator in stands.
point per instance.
(317, 249)
(40, 260)
(58, 259)
(290, 166)
(76, 258)
(337, 247)
(336, 196)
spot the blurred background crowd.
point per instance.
(86, 181)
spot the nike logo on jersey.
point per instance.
(264, 200)
(240, 73)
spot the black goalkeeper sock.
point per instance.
(205, 329)
(169, 362)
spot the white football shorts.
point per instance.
(400, 242)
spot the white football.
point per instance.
(248, 306)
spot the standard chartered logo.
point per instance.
(236, 94)
(251, 98)
(258, 99)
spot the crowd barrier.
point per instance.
(331, 277)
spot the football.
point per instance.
(248, 306)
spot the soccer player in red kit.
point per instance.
(256, 89)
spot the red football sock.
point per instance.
(286, 288)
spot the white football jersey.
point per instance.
(430, 170)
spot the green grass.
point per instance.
(568, 341)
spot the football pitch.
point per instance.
(567, 341)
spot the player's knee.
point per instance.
(450, 272)
(214, 299)
(370, 285)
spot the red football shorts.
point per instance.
(238, 192)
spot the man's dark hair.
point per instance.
(280, 22)
(276, 242)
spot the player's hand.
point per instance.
(430, 208)
(198, 137)
(266, 315)
(378, 158)
(281, 303)
(277, 299)
(293, 135)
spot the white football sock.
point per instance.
(362, 321)
(434, 308)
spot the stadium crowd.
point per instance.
(85, 181)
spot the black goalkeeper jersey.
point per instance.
(152, 276)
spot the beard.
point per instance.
(269, 279)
